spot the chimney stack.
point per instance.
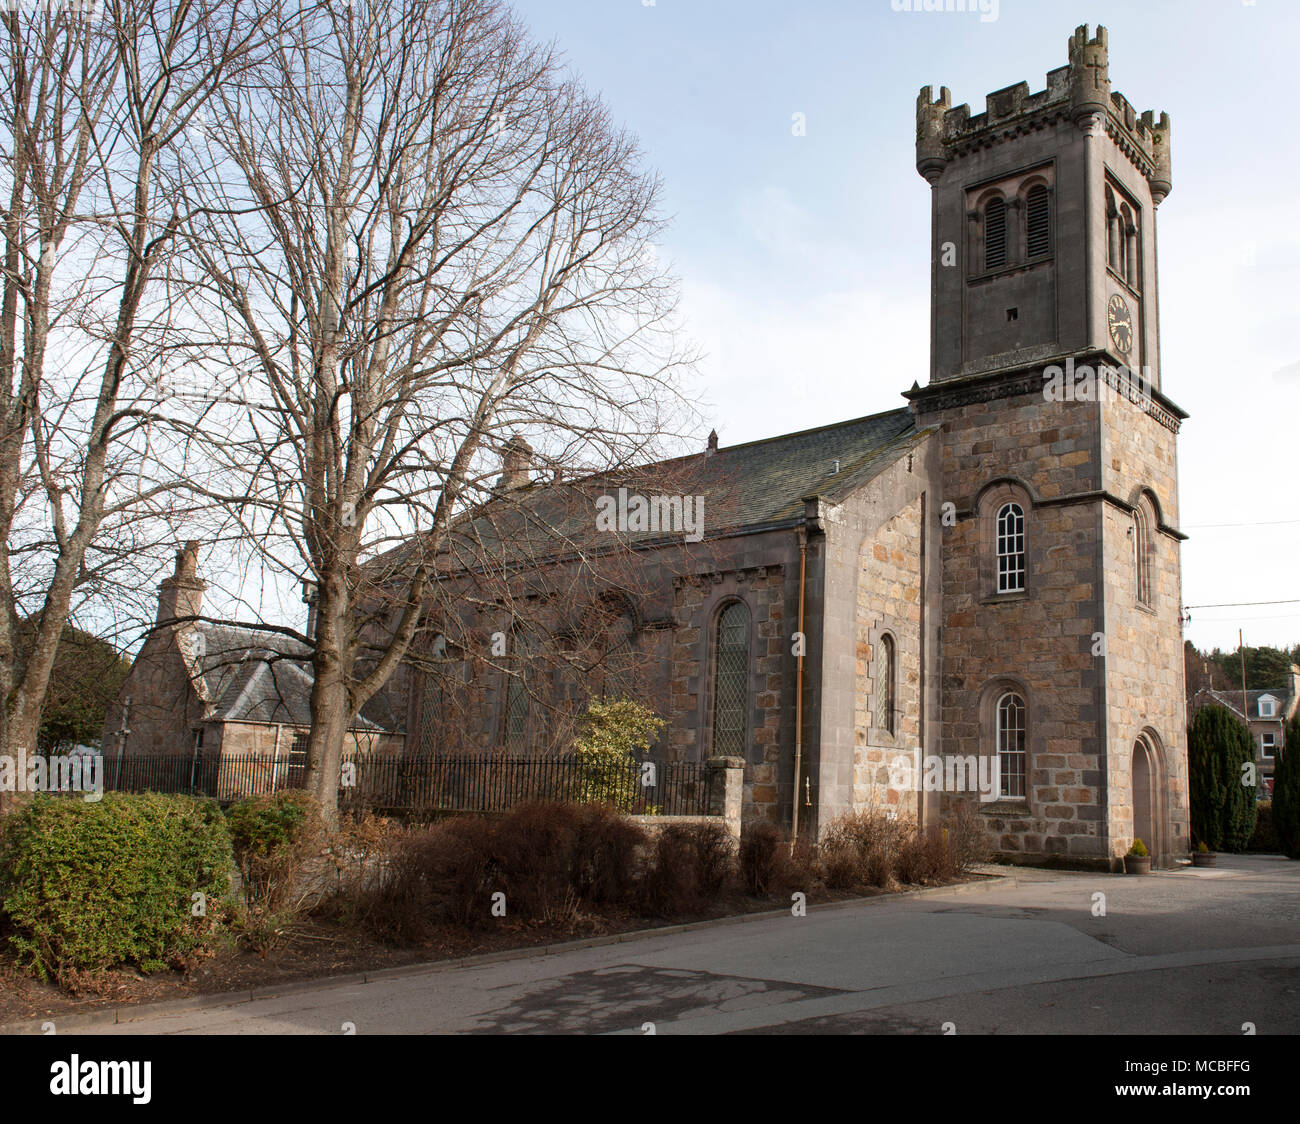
(516, 465)
(713, 443)
(181, 595)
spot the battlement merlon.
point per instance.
(1080, 90)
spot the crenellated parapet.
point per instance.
(1080, 91)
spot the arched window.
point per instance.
(1130, 235)
(516, 711)
(1038, 222)
(1011, 744)
(518, 674)
(1011, 548)
(995, 233)
(731, 680)
(1114, 244)
(886, 689)
(430, 696)
(1142, 555)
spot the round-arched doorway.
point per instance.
(1148, 806)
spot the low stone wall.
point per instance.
(725, 777)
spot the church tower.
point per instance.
(1061, 638)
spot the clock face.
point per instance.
(1120, 320)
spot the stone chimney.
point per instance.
(1293, 684)
(713, 443)
(516, 462)
(181, 595)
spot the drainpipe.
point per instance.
(275, 758)
(798, 694)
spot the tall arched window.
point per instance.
(1114, 245)
(731, 680)
(1127, 244)
(1011, 548)
(518, 675)
(1011, 744)
(430, 697)
(1142, 554)
(886, 678)
(1038, 222)
(995, 233)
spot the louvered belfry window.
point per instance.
(731, 680)
(995, 234)
(1038, 222)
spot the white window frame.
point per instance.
(1009, 778)
(1267, 748)
(1266, 701)
(1009, 541)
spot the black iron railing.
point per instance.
(425, 783)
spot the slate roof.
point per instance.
(248, 675)
(744, 487)
(1232, 700)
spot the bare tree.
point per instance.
(424, 237)
(99, 96)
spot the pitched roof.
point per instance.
(740, 487)
(1232, 700)
(248, 675)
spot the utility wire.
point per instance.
(1243, 604)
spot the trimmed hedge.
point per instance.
(85, 886)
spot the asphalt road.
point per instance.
(1191, 951)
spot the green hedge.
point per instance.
(88, 885)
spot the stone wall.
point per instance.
(1145, 694)
(889, 604)
(1043, 455)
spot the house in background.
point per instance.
(217, 691)
(1266, 712)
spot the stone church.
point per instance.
(971, 598)
(988, 576)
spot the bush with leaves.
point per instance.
(128, 879)
(1286, 791)
(271, 836)
(610, 736)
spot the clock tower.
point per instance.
(1061, 639)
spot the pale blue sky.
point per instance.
(804, 259)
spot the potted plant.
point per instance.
(1138, 859)
(1203, 856)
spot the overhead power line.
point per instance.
(1257, 523)
(1243, 604)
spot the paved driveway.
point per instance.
(1198, 951)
